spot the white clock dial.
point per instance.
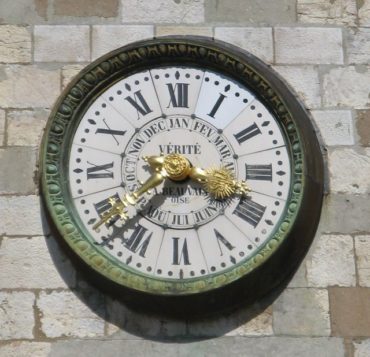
(254, 130)
(179, 231)
(93, 170)
(177, 89)
(267, 172)
(135, 98)
(224, 244)
(221, 99)
(181, 255)
(104, 128)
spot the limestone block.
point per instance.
(162, 11)
(258, 40)
(364, 13)
(15, 44)
(251, 11)
(283, 346)
(305, 45)
(362, 126)
(339, 12)
(25, 262)
(109, 37)
(69, 72)
(358, 45)
(350, 171)
(332, 262)
(2, 126)
(184, 30)
(345, 213)
(64, 314)
(23, 12)
(25, 127)
(136, 323)
(335, 126)
(62, 43)
(362, 348)
(18, 165)
(249, 321)
(305, 81)
(347, 86)
(25, 349)
(299, 279)
(16, 315)
(302, 311)
(22, 215)
(28, 86)
(362, 247)
(350, 311)
(83, 8)
(261, 325)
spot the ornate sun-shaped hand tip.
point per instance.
(221, 183)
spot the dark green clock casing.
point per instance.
(281, 254)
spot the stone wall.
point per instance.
(322, 48)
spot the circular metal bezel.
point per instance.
(295, 230)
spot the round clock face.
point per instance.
(155, 99)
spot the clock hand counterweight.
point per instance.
(218, 182)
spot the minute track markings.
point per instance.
(110, 131)
(250, 241)
(259, 151)
(201, 248)
(111, 106)
(93, 193)
(95, 148)
(200, 89)
(93, 171)
(267, 195)
(158, 253)
(156, 92)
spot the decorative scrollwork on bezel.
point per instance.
(198, 52)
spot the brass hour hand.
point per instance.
(219, 182)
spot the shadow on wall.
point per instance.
(126, 317)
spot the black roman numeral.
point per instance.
(110, 131)
(250, 211)
(178, 95)
(107, 130)
(104, 205)
(137, 241)
(247, 133)
(99, 171)
(139, 103)
(179, 255)
(217, 105)
(259, 172)
(224, 241)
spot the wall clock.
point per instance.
(183, 169)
